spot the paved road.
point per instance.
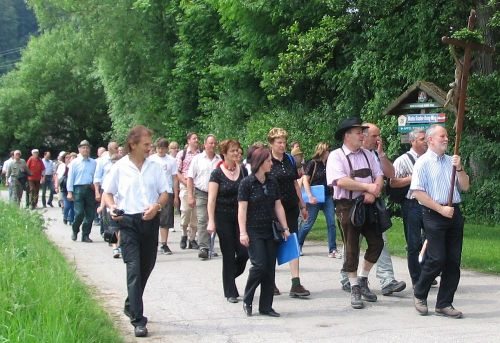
(184, 300)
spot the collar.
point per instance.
(348, 151)
(413, 153)
(434, 156)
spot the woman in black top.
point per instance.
(258, 204)
(285, 172)
(222, 209)
(315, 174)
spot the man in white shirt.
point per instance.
(199, 172)
(5, 167)
(169, 167)
(139, 188)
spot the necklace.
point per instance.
(231, 169)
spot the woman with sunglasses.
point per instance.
(284, 170)
(258, 203)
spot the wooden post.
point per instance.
(468, 48)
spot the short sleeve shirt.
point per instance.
(319, 175)
(285, 174)
(227, 194)
(261, 199)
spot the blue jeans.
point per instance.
(328, 209)
(413, 227)
(68, 209)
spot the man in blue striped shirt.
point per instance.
(81, 191)
(443, 224)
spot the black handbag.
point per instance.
(277, 231)
(357, 214)
(381, 215)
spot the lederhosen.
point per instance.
(351, 234)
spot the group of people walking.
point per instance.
(239, 200)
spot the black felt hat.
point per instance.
(347, 124)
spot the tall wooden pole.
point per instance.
(468, 47)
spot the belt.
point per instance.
(199, 190)
(453, 205)
(87, 185)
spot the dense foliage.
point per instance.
(236, 68)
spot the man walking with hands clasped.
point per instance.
(443, 224)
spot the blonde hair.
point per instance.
(276, 133)
(320, 149)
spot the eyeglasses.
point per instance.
(264, 188)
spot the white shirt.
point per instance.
(403, 167)
(135, 190)
(169, 167)
(5, 167)
(200, 169)
(61, 169)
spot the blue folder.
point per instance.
(317, 191)
(288, 250)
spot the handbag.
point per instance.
(277, 231)
(357, 214)
(383, 215)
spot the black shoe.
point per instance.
(126, 311)
(356, 301)
(276, 291)
(247, 309)
(394, 286)
(366, 294)
(74, 236)
(299, 291)
(86, 239)
(434, 283)
(140, 331)
(232, 300)
(347, 287)
(193, 245)
(270, 313)
(203, 254)
(65, 221)
(50, 204)
(165, 250)
(183, 242)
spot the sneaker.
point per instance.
(203, 254)
(183, 242)
(172, 229)
(116, 253)
(299, 291)
(193, 245)
(165, 250)
(356, 301)
(421, 306)
(366, 293)
(394, 286)
(449, 311)
(346, 287)
(335, 254)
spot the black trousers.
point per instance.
(139, 241)
(262, 254)
(443, 255)
(292, 212)
(234, 255)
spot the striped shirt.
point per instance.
(403, 167)
(337, 168)
(432, 175)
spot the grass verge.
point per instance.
(481, 248)
(41, 297)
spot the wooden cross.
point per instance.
(468, 47)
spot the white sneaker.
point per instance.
(335, 254)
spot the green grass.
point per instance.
(481, 249)
(41, 297)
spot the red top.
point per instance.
(36, 167)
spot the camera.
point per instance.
(117, 213)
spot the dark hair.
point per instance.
(252, 148)
(259, 155)
(225, 145)
(190, 134)
(135, 134)
(161, 143)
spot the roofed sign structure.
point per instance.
(420, 106)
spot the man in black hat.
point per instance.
(81, 191)
(353, 172)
